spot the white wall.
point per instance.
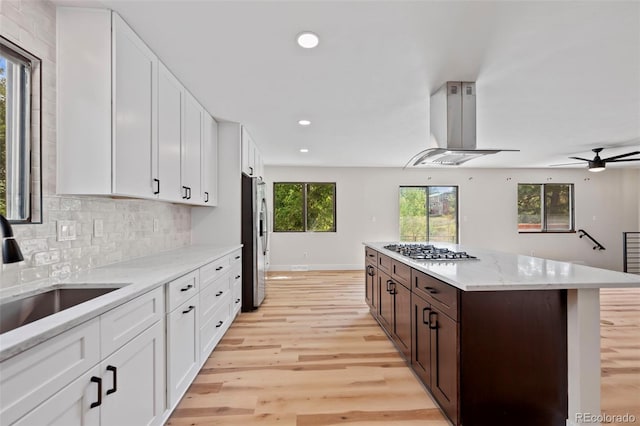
(128, 224)
(606, 204)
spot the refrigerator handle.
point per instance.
(264, 227)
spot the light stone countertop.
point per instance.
(136, 277)
(494, 270)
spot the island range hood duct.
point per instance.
(453, 127)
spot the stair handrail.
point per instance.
(586, 234)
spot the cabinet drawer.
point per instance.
(236, 257)
(181, 289)
(371, 256)
(236, 295)
(445, 295)
(214, 327)
(32, 376)
(212, 296)
(212, 271)
(384, 263)
(401, 273)
(120, 325)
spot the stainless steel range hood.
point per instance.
(453, 127)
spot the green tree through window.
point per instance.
(429, 213)
(554, 214)
(304, 207)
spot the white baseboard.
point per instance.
(323, 267)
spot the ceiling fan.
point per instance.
(598, 164)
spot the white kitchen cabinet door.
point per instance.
(209, 160)
(183, 348)
(170, 99)
(133, 383)
(248, 154)
(134, 70)
(70, 406)
(191, 140)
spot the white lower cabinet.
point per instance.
(183, 348)
(126, 389)
(66, 381)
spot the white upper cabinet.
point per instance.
(191, 142)
(167, 169)
(134, 75)
(209, 160)
(126, 125)
(252, 164)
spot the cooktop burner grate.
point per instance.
(428, 252)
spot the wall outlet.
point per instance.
(98, 228)
(66, 230)
(156, 225)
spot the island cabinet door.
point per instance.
(385, 302)
(402, 318)
(370, 287)
(421, 339)
(444, 361)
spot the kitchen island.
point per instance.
(498, 339)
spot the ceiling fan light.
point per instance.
(596, 169)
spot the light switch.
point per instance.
(98, 228)
(66, 230)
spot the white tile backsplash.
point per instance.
(128, 230)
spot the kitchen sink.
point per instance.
(19, 312)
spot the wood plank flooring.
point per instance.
(312, 355)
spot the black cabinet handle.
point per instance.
(191, 308)
(157, 191)
(433, 324)
(389, 282)
(237, 277)
(219, 324)
(97, 380)
(219, 293)
(371, 255)
(431, 290)
(425, 322)
(190, 286)
(206, 200)
(237, 257)
(394, 268)
(251, 169)
(219, 268)
(184, 197)
(237, 300)
(189, 191)
(114, 370)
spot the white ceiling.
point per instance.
(554, 79)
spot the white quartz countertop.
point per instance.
(135, 277)
(494, 270)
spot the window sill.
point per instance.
(547, 232)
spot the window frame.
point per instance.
(33, 144)
(543, 215)
(426, 187)
(304, 206)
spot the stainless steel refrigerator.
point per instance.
(254, 242)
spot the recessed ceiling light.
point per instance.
(304, 150)
(308, 40)
(304, 122)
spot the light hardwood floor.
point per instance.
(312, 355)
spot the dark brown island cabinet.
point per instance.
(486, 357)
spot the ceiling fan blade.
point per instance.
(621, 156)
(566, 164)
(620, 161)
(579, 158)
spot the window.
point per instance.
(429, 213)
(19, 134)
(545, 207)
(304, 207)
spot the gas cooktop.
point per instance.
(419, 251)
